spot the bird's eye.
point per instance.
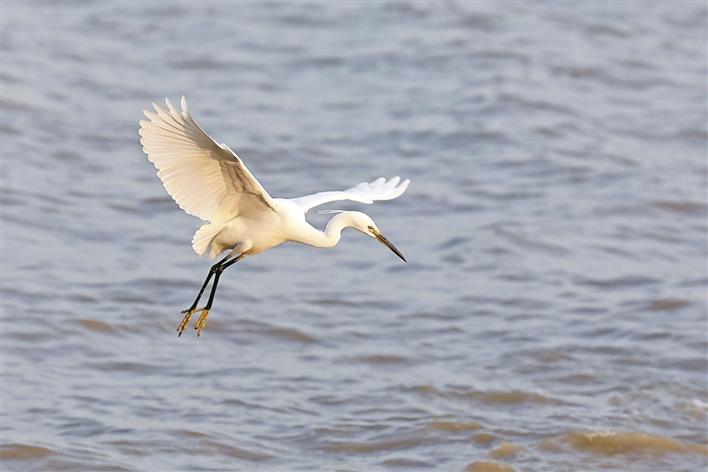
(371, 228)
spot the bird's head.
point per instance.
(363, 222)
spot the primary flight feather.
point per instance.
(208, 180)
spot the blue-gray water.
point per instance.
(553, 312)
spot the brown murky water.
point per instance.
(552, 317)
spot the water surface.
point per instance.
(552, 315)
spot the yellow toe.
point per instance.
(185, 322)
(201, 322)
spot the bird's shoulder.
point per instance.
(289, 209)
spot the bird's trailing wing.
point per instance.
(365, 192)
(206, 179)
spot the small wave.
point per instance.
(550, 356)
(577, 378)
(452, 427)
(125, 366)
(189, 434)
(610, 443)
(685, 207)
(454, 242)
(96, 326)
(481, 466)
(133, 448)
(508, 397)
(505, 450)
(346, 447)
(602, 29)
(484, 438)
(23, 452)
(513, 397)
(82, 298)
(236, 452)
(332, 302)
(319, 62)
(201, 64)
(620, 282)
(480, 22)
(532, 242)
(381, 359)
(406, 464)
(290, 334)
(667, 304)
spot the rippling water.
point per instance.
(553, 312)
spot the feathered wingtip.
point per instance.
(170, 107)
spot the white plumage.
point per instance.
(210, 181)
(379, 189)
(206, 179)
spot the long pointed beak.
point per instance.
(380, 237)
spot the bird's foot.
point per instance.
(201, 321)
(185, 321)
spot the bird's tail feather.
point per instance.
(203, 238)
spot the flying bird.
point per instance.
(208, 180)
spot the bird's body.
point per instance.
(249, 235)
(252, 235)
(209, 180)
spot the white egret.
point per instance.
(210, 181)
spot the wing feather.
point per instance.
(365, 192)
(205, 178)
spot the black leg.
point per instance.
(212, 271)
(201, 322)
(219, 270)
(189, 311)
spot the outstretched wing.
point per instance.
(365, 192)
(206, 179)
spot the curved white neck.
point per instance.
(332, 233)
